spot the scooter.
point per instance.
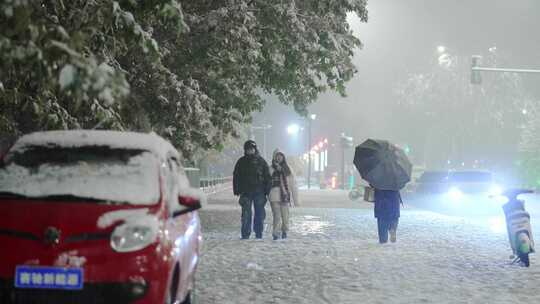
(518, 225)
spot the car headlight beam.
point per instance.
(495, 190)
(455, 194)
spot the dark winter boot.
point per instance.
(258, 236)
(275, 237)
(284, 235)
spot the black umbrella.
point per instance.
(382, 164)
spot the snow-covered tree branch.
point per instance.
(190, 70)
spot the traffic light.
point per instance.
(476, 78)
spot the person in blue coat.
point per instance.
(387, 212)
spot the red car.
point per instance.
(96, 217)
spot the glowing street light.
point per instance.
(293, 129)
(441, 49)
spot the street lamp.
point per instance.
(445, 57)
(310, 119)
(263, 127)
(293, 129)
(346, 142)
(441, 49)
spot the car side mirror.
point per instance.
(190, 203)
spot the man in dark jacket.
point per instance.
(252, 181)
(387, 205)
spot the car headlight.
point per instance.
(455, 194)
(495, 190)
(132, 237)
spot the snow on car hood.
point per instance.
(135, 182)
(82, 138)
(139, 216)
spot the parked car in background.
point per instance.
(417, 172)
(471, 186)
(96, 217)
(431, 182)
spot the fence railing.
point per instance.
(216, 184)
(208, 183)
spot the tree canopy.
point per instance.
(192, 71)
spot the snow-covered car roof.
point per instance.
(114, 139)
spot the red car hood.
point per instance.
(34, 232)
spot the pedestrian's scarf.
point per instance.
(279, 178)
(255, 164)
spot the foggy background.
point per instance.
(400, 39)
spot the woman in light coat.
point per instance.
(283, 193)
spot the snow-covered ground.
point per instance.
(332, 256)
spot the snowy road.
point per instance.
(332, 256)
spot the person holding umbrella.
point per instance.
(387, 169)
(387, 212)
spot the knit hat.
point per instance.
(284, 164)
(276, 152)
(250, 144)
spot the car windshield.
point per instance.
(470, 177)
(90, 173)
(433, 177)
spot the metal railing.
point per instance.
(209, 183)
(215, 184)
(214, 181)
